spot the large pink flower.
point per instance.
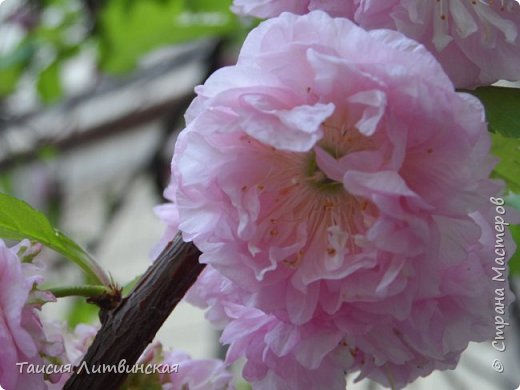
(342, 183)
(477, 42)
(270, 8)
(22, 334)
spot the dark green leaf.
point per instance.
(502, 109)
(18, 220)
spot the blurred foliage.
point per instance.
(508, 168)
(54, 31)
(81, 312)
(243, 385)
(128, 29)
(140, 382)
(514, 262)
(49, 85)
(502, 109)
(6, 182)
(47, 153)
(13, 64)
(121, 31)
(127, 288)
(513, 200)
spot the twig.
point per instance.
(132, 325)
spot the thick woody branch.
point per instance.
(132, 325)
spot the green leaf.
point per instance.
(502, 109)
(49, 83)
(18, 220)
(508, 150)
(130, 29)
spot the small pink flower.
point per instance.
(340, 186)
(196, 374)
(78, 342)
(22, 334)
(178, 371)
(76, 345)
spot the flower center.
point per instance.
(291, 197)
(318, 179)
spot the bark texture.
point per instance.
(131, 326)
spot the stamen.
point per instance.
(331, 251)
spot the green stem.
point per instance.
(88, 291)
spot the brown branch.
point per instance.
(132, 325)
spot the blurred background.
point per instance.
(92, 95)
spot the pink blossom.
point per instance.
(78, 342)
(196, 374)
(182, 372)
(22, 335)
(76, 345)
(203, 374)
(315, 355)
(477, 42)
(279, 355)
(271, 8)
(339, 184)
